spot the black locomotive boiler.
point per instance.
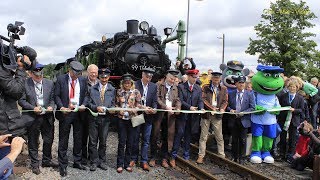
(131, 50)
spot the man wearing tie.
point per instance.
(70, 90)
(190, 95)
(100, 97)
(39, 97)
(240, 101)
(296, 101)
(148, 91)
(215, 98)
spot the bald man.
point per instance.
(92, 79)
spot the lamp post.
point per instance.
(223, 38)
(187, 38)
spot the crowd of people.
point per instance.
(73, 98)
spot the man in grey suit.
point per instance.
(240, 101)
(39, 98)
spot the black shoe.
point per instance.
(50, 164)
(84, 162)
(79, 166)
(93, 167)
(36, 170)
(63, 172)
(103, 166)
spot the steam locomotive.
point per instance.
(131, 51)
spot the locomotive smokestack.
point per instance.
(132, 26)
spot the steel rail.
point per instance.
(234, 167)
(194, 170)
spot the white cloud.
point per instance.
(56, 29)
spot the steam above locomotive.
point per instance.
(131, 50)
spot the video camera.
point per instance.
(9, 53)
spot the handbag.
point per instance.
(137, 120)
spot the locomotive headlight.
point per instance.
(144, 26)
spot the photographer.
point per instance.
(307, 147)
(183, 67)
(6, 163)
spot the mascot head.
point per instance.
(230, 71)
(268, 80)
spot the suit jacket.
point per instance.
(152, 100)
(94, 99)
(248, 104)
(191, 98)
(298, 105)
(28, 101)
(222, 98)
(61, 92)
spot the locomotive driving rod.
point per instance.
(180, 36)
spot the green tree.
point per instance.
(282, 37)
(48, 71)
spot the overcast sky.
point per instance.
(56, 29)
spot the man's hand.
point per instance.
(233, 111)
(25, 59)
(222, 110)
(100, 109)
(37, 109)
(3, 140)
(16, 147)
(192, 108)
(65, 110)
(49, 108)
(82, 108)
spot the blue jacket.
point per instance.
(94, 100)
(248, 104)
(6, 167)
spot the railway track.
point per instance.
(225, 164)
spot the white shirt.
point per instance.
(39, 92)
(76, 98)
(145, 93)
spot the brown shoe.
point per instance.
(132, 163)
(164, 163)
(145, 166)
(199, 160)
(152, 163)
(173, 163)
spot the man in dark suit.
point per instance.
(70, 90)
(240, 101)
(148, 91)
(296, 101)
(100, 97)
(39, 97)
(190, 95)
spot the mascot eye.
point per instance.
(238, 74)
(229, 72)
(267, 74)
(276, 75)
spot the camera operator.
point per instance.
(11, 90)
(6, 163)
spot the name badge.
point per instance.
(169, 103)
